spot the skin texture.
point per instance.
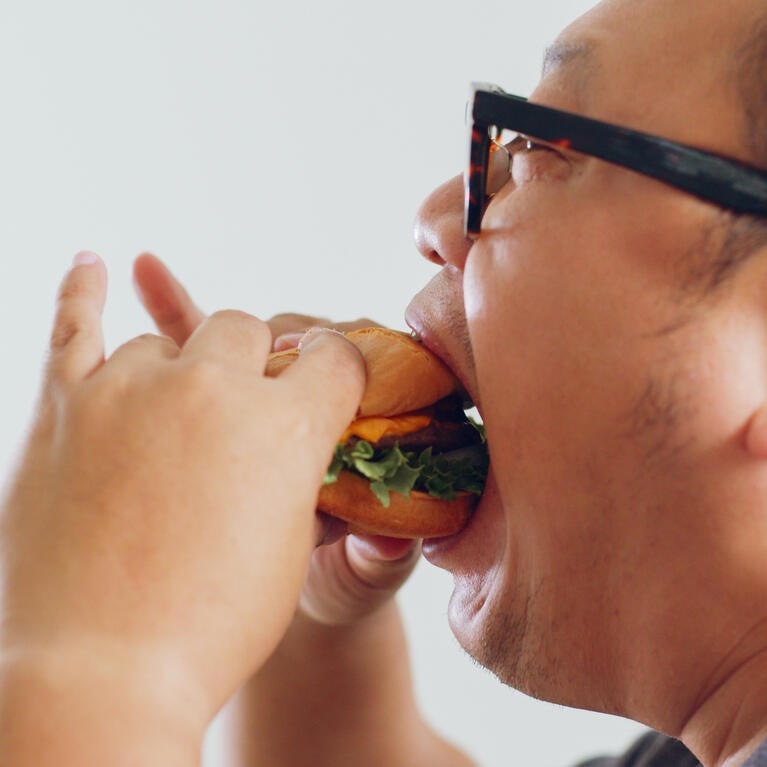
(622, 403)
(617, 560)
(133, 567)
(347, 634)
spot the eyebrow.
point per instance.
(562, 53)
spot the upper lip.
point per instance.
(431, 340)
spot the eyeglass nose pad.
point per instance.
(498, 168)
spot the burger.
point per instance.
(411, 464)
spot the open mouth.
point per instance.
(471, 408)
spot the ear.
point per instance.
(756, 434)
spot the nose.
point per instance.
(439, 226)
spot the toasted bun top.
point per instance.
(402, 375)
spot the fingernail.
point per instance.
(287, 341)
(312, 335)
(84, 258)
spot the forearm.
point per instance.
(51, 715)
(332, 696)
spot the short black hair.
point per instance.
(744, 234)
(750, 71)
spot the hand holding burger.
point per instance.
(355, 576)
(411, 464)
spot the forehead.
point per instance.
(654, 65)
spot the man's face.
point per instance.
(612, 385)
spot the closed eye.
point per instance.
(533, 160)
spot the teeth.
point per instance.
(473, 413)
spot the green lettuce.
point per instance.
(442, 476)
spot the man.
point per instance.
(610, 327)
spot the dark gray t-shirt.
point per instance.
(656, 750)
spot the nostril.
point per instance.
(427, 243)
(434, 257)
(439, 233)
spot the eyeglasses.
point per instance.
(727, 182)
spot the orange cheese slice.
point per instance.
(373, 428)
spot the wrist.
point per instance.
(94, 705)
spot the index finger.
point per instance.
(329, 378)
(77, 342)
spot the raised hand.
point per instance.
(159, 527)
(340, 676)
(350, 577)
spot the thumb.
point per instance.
(77, 339)
(381, 564)
(355, 576)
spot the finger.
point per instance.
(231, 336)
(380, 562)
(291, 324)
(143, 349)
(164, 297)
(77, 339)
(289, 339)
(327, 529)
(364, 573)
(329, 379)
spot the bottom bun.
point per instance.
(417, 515)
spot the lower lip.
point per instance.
(436, 550)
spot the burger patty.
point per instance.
(442, 436)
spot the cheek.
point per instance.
(546, 344)
(562, 303)
(559, 368)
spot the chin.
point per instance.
(485, 614)
(497, 621)
(490, 621)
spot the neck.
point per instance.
(728, 720)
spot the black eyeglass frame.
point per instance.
(716, 178)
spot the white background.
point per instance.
(274, 154)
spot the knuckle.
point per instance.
(68, 327)
(89, 408)
(233, 315)
(153, 339)
(130, 344)
(282, 324)
(201, 380)
(65, 329)
(245, 324)
(73, 288)
(143, 341)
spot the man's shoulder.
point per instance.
(651, 750)
(656, 750)
(758, 758)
